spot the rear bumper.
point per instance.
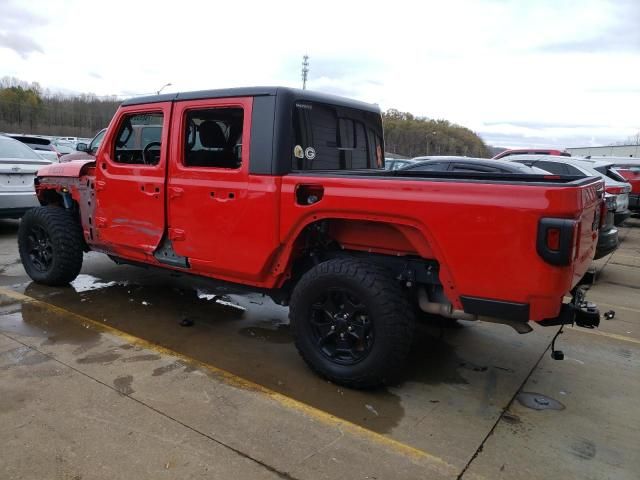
(607, 242)
(15, 204)
(579, 311)
(583, 314)
(620, 217)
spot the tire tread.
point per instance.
(393, 308)
(68, 244)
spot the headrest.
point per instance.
(211, 135)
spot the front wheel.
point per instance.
(51, 245)
(352, 323)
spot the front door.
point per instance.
(130, 181)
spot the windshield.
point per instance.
(10, 148)
(593, 172)
(613, 174)
(328, 137)
(97, 140)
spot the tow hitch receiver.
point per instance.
(587, 315)
(579, 311)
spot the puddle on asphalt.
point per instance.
(272, 331)
(246, 335)
(537, 401)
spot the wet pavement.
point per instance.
(474, 400)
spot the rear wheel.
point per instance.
(51, 245)
(352, 323)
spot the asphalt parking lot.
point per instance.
(101, 380)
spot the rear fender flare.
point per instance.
(416, 235)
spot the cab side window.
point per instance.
(138, 140)
(214, 138)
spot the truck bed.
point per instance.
(482, 229)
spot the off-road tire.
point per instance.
(65, 235)
(390, 313)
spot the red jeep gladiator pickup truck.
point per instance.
(284, 191)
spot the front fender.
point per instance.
(68, 169)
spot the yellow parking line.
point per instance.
(618, 307)
(229, 378)
(620, 254)
(600, 333)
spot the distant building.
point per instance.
(606, 151)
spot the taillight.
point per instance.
(553, 239)
(614, 190)
(556, 242)
(603, 213)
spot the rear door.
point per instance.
(208, 187)
(130, 180)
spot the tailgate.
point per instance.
(588, 228)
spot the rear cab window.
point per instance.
(329, 137)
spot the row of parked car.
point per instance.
(50, 148)
(21, 156)
(621, 177)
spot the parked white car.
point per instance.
(18, 167)
(615, 184)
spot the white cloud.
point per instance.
(490, 65)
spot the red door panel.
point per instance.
(222, 219)
(130, 204)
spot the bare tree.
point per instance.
(633, 139)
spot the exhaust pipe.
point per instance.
(443, 309)
(446, 310)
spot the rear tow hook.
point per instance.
(579, 311)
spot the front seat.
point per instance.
(213, 144)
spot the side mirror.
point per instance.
(82, 147)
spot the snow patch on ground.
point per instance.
(85, 283)
(203, 294)
(219, 299)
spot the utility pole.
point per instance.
(305, 71)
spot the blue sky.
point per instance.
(557, 73)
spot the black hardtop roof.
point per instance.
(294, 93)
